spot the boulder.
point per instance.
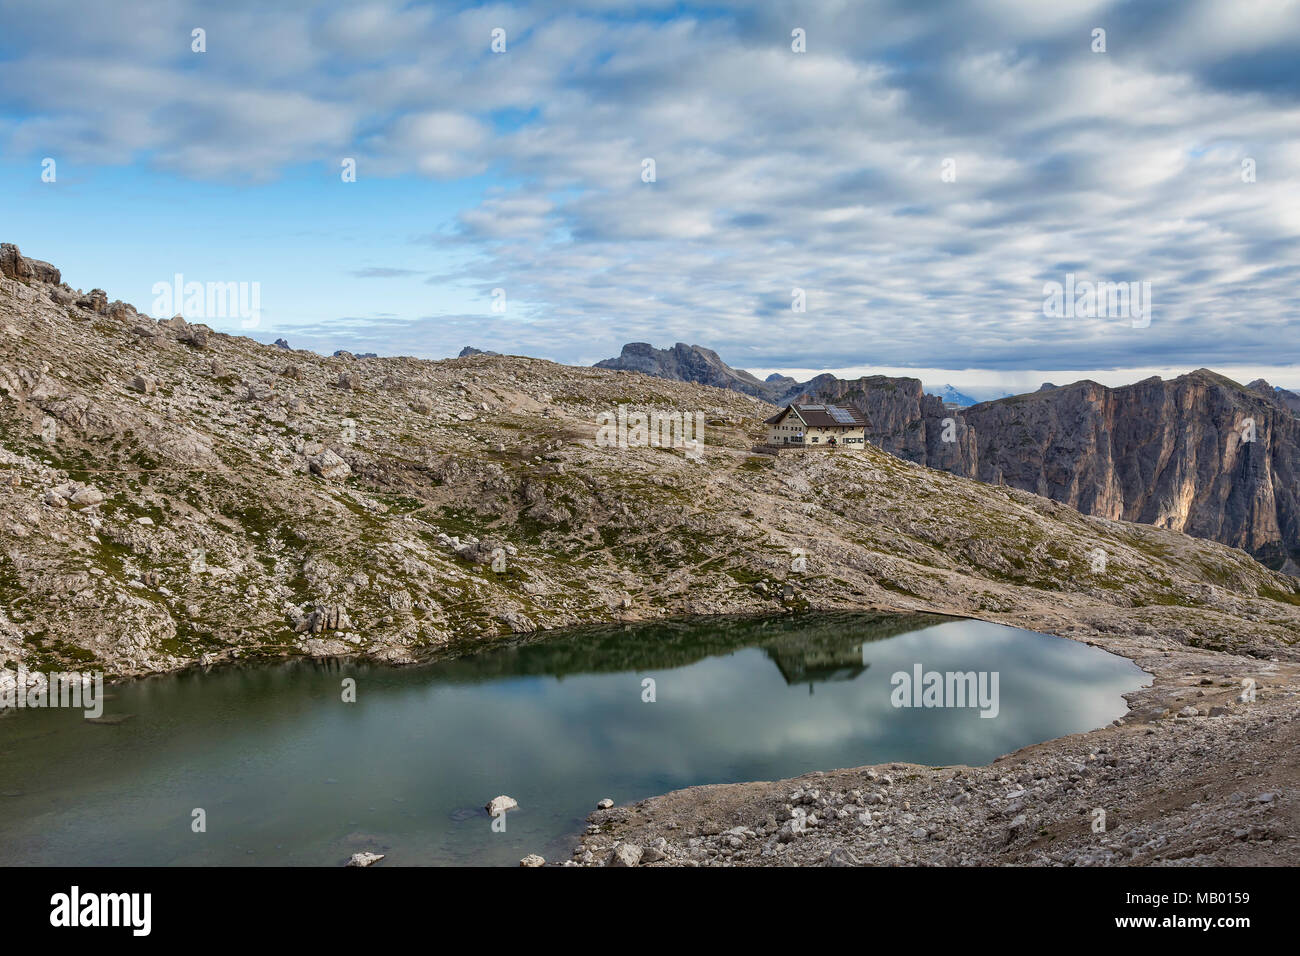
(121, 311)
(11, 262)
(324, 619)
(501, 804)
(94, 301)
(144, 384)
(625, 854)
(532, 859)
(87, 497)
(482, 551)
(195, 336)
(330, 466)
(365, 859)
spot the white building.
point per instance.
(822, 426)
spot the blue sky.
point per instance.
(820, 170)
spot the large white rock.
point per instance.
(88, 496)
(501, 804)
(365, 859)
(625, 854)
(330, 466)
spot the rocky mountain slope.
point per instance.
(1284, 397)
(1200, 454)
(694, 363)
(169, 494)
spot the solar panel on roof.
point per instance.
(842, 415)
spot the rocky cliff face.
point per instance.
(1199, 454)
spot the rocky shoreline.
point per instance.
(1191, 775)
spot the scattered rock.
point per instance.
(330, 466)
(144, 384)
(87, 497)
(624, 854)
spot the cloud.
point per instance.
(774, 170)
(383, 272)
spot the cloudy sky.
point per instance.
(774, 170)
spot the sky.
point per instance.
(920, 170)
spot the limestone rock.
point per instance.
(144, 384)
(324, 619)
(87, 497)
(330, 466)
(195, 336)
(624, 854)
(15, 265)
(94, 301)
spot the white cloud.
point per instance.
(775, 169)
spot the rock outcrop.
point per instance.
(1199, 454)
(14, 265)
(689, 363)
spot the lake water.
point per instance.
(289, 774)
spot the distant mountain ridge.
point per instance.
(951, 396)
(693, 363)
(1200, 453)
